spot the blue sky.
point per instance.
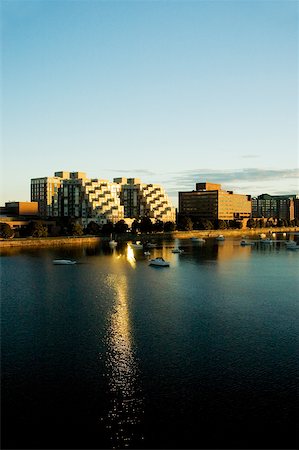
(172, 92)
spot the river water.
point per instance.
(114, 353)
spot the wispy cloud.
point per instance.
(224, 176)
(134, 172)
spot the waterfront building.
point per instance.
(44, 190)
(274, 206)
(145, 200)
(74, 195)
(20, 209)
(89, 199)
(211, 202)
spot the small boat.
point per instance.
(63, 261)
(292, 245)
(262, 236)
(266, 241)
(137, 245)
(151, 245)
(112, 243)
(244, 242)
(158, 262)
(220, 238)
(147, 253)
(177, 250)
(196, 239)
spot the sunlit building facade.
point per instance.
(145, 200)
(74, 195)
(44, 190)
(211, 202)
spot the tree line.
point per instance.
(70, 227)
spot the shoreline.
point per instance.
(83, 240)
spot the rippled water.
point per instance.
(113, 353)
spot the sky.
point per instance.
(172, 92)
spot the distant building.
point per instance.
(211, 202)
(20, 209)
(274, 206)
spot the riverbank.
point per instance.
(50, 241)
(93, 240)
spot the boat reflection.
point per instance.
(125, 414)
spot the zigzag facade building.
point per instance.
(72, 194)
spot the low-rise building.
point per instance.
(211, 202)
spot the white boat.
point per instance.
(220, 238)
(196, 239)
(266, 241)
(151, 245)
(244, 242)
(158, 262)
(63, 261)
(177, 250)
(292, 245)
(137, 245)
(147, 253)
(112, 243)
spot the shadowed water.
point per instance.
(114, 353)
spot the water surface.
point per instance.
(113, 353)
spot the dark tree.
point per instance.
(121, 227)
(185, 224)
(135, 226)
(251, 223)
(92, 228)
(169, 226)
(5, 231)
(107, 228)
(158, 226)
(146, 225)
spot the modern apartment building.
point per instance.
(211, 202)
(72, 194)
(274, 206)
(44, 190)
(142, 199)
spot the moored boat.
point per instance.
(63, 262)
(159, 262)
(220, 238)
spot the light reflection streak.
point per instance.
(130, 256)
(126, 411)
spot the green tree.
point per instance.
(5, 231)
(221, 224)
(251, 223)
(36, 229)
(206, 224)
(76, 229)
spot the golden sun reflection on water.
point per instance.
(130, 256)
(125, 413)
